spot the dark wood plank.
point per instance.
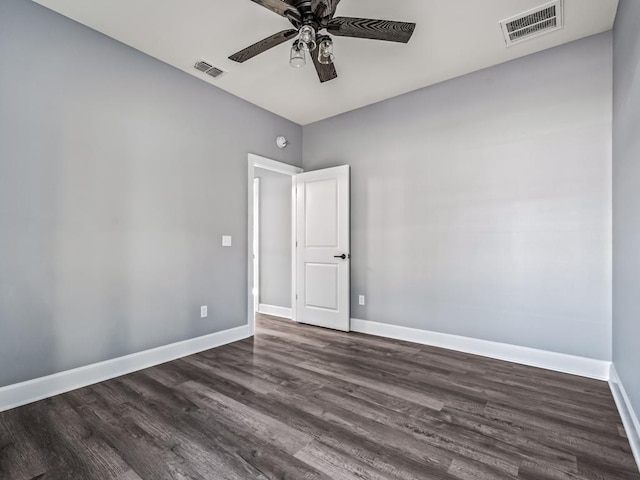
(303, 403)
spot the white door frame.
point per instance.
(256, 244)
(256, 161)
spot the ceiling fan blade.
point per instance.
(325, 72)
(263, 45)
(371, 29)
(278, 6)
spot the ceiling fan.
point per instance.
(310, 17)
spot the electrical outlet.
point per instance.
(203, 311)
(361, 299)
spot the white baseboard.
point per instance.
(559, 362)
(275, 311)
(627, 413)
(30, 391)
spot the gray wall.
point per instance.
(626, 198)
(118, 176)
(275, 238)
(482, 206)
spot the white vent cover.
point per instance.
(208, 69)
(533, 23)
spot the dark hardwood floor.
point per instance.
(299, 403)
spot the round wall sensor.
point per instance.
(281, 142)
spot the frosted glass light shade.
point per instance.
(298, 58)
(308, 38)
(325, 52)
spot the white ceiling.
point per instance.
(452, 38)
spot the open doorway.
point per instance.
(316, 240)
(272, 243)
(272, 227)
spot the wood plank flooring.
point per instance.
(298, 402)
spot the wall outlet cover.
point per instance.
(203, 311)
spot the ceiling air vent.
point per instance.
(533, 23)
(208, 69)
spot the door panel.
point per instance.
(321, 215)
(322, 284)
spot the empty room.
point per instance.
(320, 239)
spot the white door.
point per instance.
(322, 253)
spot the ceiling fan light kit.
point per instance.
(310, 17)
(298, 58)
(308, 38)
(325, 55)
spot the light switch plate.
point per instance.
(226, 240)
